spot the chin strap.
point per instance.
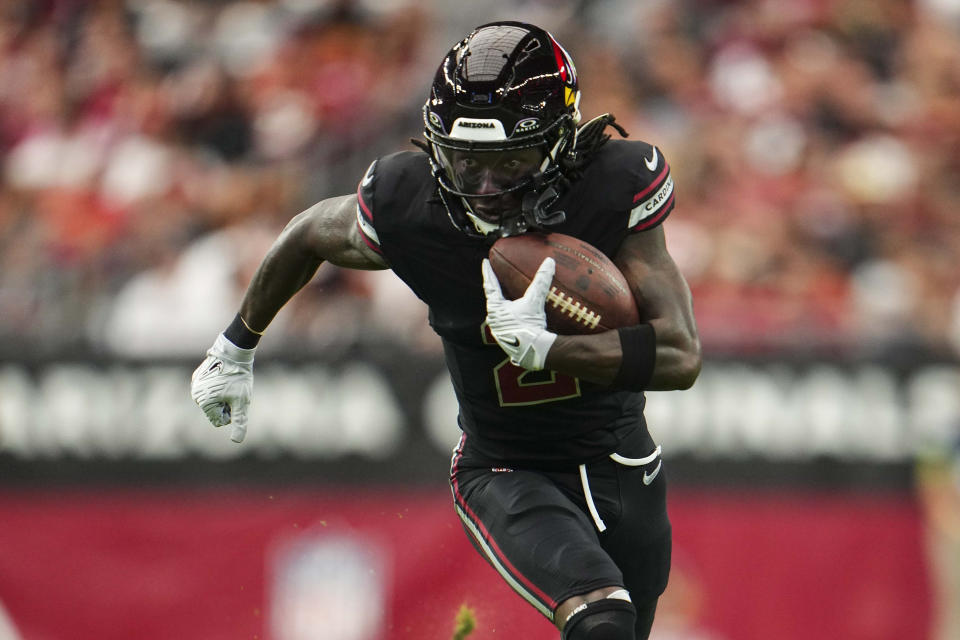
(533, 214)
(535, 205)
(533, 209)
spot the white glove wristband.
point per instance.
(229, 351)
(535, 356)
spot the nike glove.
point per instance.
(520, 326)
(222, 386)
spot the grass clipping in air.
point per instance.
(464, 624)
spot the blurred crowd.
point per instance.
(152, 149)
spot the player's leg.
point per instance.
(541, 542)
(645, 613)
(644, 571)
(638, 539)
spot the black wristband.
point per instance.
(241, 335)
(639, 347)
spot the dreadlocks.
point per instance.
(590, 137)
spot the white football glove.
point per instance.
(222, 386)
(520, 326)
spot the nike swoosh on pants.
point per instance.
(650, 477)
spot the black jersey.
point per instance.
(511, 416)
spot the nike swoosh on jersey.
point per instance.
(368, 177)
(652, 162)
(650, 477)
(515, 342)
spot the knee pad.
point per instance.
(607, 619)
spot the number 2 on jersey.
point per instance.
(518, 387)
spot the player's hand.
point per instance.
(222, 386)
(520, 326)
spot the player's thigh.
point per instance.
(638, 537)
(539, 540)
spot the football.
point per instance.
(589, 293)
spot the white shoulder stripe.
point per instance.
(653, 204)
(366, 227)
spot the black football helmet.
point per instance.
(502, 113)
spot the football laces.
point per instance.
(573, 308)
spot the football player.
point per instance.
(556, 478)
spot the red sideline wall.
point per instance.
(203, 563)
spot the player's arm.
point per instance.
(328, 231)
(665, 304)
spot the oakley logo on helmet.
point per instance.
(436, 121)
(524, 126)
